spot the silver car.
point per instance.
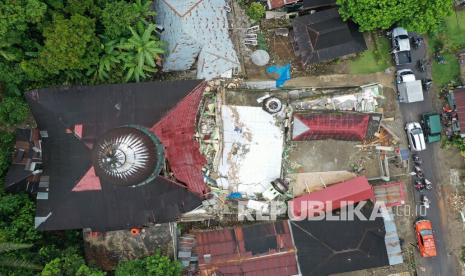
(415, 136)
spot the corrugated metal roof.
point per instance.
(459, 95)
(197, 30)
(319, 126)
(356, 190)
(176, 131)
(259, 249)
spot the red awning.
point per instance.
(316, 126)
(355, 190)
(275, 4)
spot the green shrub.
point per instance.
(12, 111)
(256, 11)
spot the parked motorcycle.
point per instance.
(424, 201)
(423, 184)
(417, 42)
(421, 64)
(418, 172)
(417, 159)
(427, 83)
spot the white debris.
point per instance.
(252, 150)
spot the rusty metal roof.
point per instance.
(259, 249)
(459, 95)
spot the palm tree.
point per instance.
(12, 262)
(141, 50)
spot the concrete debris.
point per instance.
(366, 100)
(457, 202)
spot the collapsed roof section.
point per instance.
(197, 30)
(339, 126)
(323, 36)
(252, 149)
(104, 148)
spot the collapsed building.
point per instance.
(118, 160)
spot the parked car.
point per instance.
(410, 89)
(425, 237)
(401, 46)
(415, 136)
(432, 126)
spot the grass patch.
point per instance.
(445, 73)
(455, 30)
(375, 59)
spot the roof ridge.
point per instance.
(182, 14)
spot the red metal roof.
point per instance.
(176, 131)
(318, 126)
(260, 249)
(356, 189)
(275, 4)
(459, 95)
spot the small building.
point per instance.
(323, 36)
(353, 190)
(339, 126)
(259, 249)
(26, 164)
(197, 32)
(459, 99)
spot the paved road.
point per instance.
(444, 264)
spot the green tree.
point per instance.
(13, 110)
(70, 263)
(117, 17)
(255, 11)
(6, 145)
(140, 52)
(13, 262)
(155, 265)
(70, 44)
(420, 16)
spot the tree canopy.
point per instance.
(420, 16)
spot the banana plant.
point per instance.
(140, 52)
(110, 58)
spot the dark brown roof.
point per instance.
(75, 118)
(313, 4)
(323, 36)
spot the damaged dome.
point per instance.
(128, 156)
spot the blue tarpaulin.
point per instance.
(284, 73)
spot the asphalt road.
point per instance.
(444, 263)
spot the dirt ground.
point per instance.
(331, 155)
